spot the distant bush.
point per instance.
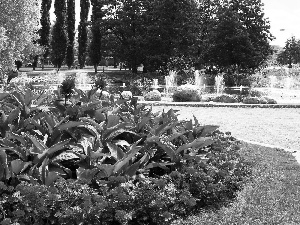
(251, 100)
(225, 98)
(187, 93)
(153, 96)
(267, 100)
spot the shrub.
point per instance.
(187, 93)
(225, 98)
(267, 100)
(251, 100)
(206, 98)
(153, 96)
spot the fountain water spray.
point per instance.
(219, 82)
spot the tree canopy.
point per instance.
(19, 25)
(291, 52)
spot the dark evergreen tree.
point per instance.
(83, 32)
(95, 45)
(44, 32)
(59, 36)
(70, 32)
(290, 53)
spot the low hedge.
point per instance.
(187, 93)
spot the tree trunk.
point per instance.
(95, 67)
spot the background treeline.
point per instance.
(231, 35)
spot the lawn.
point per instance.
(271, 197)
(278, 126)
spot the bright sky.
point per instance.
(284, 17)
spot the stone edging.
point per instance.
(215, 104)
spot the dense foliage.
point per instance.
(59, 35)
(19, 23)
(82, 32)
(70, 21)
(112, 162)
(44, 31)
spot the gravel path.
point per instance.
(280, 126)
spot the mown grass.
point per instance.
(272, 196)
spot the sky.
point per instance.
(284, 17)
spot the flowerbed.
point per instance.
(80, 160)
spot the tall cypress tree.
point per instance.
(45, 27)
(95, 46)
(71, 32)
(82, 32)
(59, 36)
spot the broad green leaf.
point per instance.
(3, 96)
(168, 149)
(189, 125)
(69, 125)
(50, 178)
(28, 97)
(175, 135)
(17, 150)
(152, 139)
(41, 99)
(13, 115)
(115, 151)
(158, 130)
(207, 129)
(48, 152)
(112, 121)
(11, 135)
(131, 170)
(161, 165)
(198, 143)
(86, 175)
(44, 170)
(107, 168)
(119, 165)
(19, 98)
(92, 122)
(142, 124)
(4, 170)
(39, 145)
(17, 166)
(196, 120)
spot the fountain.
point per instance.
(170, 80)
(288, 82)
(198, 78)
(219, 82)
(155, 84)
(272, 81)
(83, 81)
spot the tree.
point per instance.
(95, 45)
(44, 31)
(19, 23)
(239, 38)
(82, 32)
(290, 53)
(152, 32)
(71, 32)
(59, 36)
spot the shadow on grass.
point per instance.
(271, 197)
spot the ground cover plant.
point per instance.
(90, 161)
(271, 197)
